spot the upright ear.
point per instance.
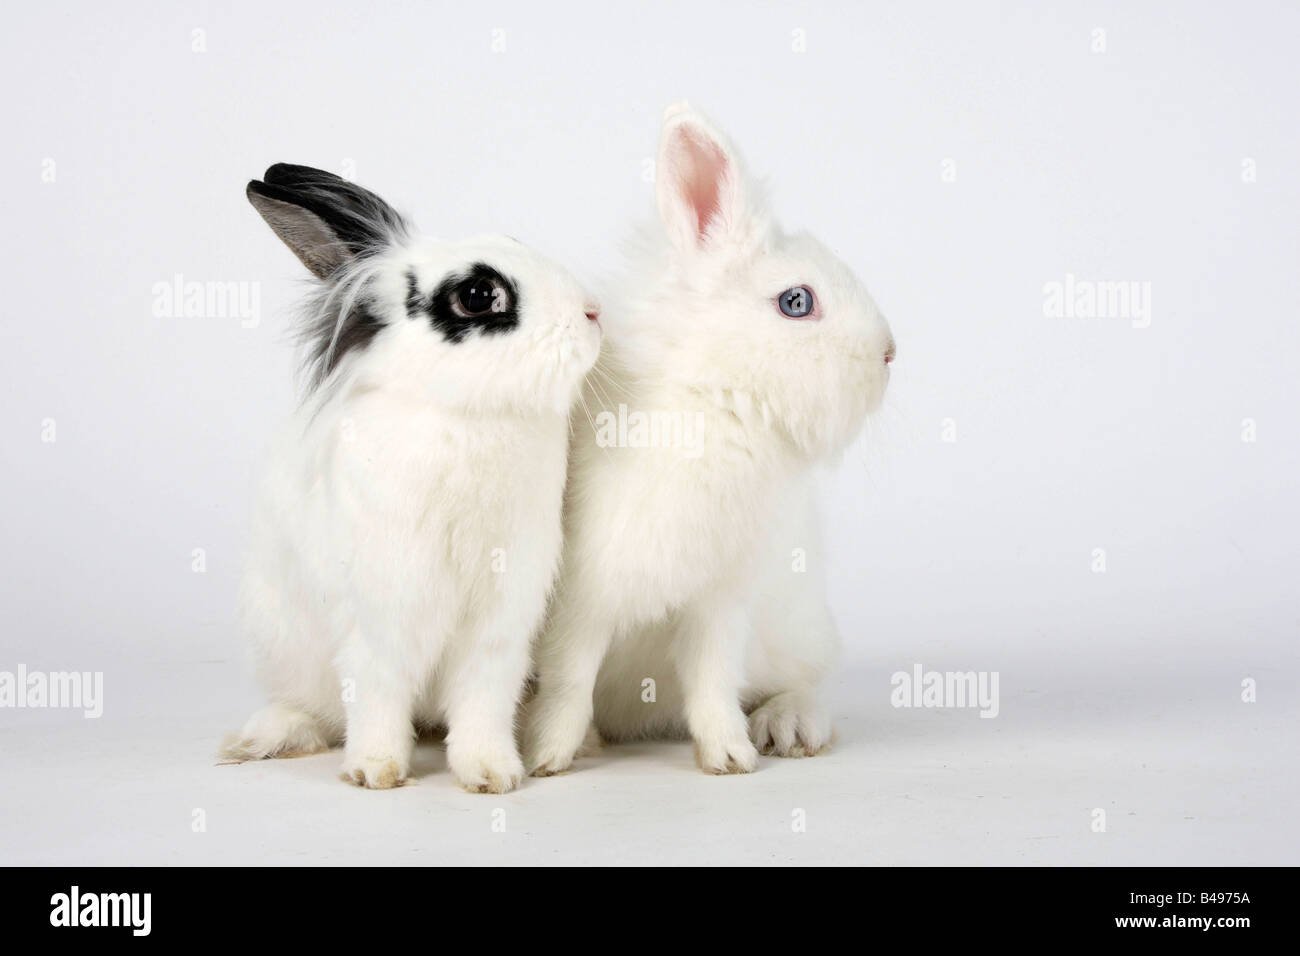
(324, 219)
(699, 184)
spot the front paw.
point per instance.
(375, 773)
(790, 724)
(548, 755)
(554, 735)
(732, 753)
(486, 771)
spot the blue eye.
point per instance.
(797, 303)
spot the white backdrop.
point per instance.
(962, 156)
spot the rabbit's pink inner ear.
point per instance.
(701, 172)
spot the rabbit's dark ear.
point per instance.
(324, 219)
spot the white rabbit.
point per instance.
(683, 558)
(409, 529)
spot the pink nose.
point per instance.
(592, 313)
(889, 353)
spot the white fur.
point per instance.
(409, 529)
(681, 565)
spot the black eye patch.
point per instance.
(479, 298)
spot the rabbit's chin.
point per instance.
(823, 439)
(814, 424)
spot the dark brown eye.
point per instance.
(478, 301)
(480, 295)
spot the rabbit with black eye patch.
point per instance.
(408, 531)
(692, 595)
